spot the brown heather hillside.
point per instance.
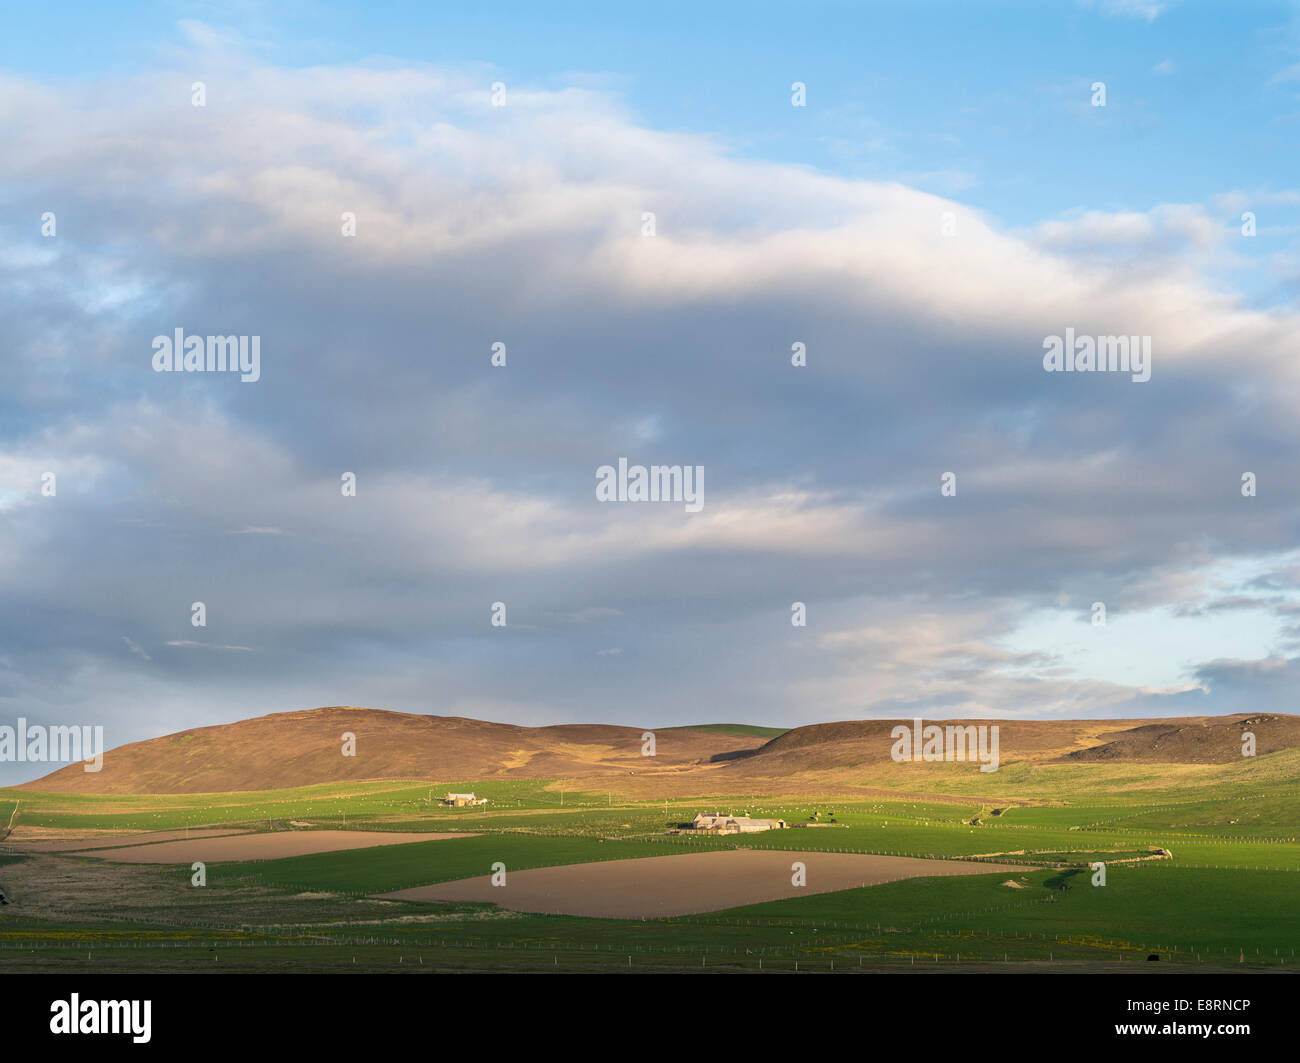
(1200, 740)
(834, 747)
(301, 748)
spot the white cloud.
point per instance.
(475, 484)
(1146, 10)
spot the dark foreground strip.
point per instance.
(343, 1015)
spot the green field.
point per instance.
(748, 729)
(1224, 898)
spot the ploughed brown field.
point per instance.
(660, 886)
(293, 749)
(261, 846)
(115, 840)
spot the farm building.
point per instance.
(462, 800)
(726, 823)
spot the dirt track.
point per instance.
(658, 886)
(261, 846)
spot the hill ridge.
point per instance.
(303, 747)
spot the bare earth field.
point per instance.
(110, 841)
(263, 846)
(658, 886)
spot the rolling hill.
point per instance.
(830, 747)
(302, 748)
(291, 749)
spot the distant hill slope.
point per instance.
(1203, 740)
(293, 749)
(829, 748)
(733, 729)
(300, 748)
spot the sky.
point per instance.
(950, 194)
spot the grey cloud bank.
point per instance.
(523, 224)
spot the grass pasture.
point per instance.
(1223, 899)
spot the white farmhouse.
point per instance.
(726, 823)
